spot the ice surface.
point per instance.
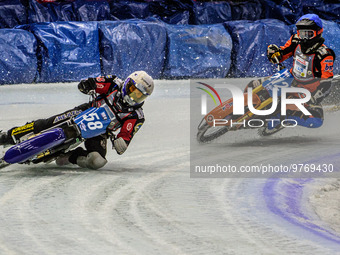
(325, 201)
(144, 202)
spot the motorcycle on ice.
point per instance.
(49, 144)
(221, 119)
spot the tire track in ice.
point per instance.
(24, 218)
(285, 198)
(119, 203)
(113, 206)
(34, 207)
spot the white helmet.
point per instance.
(137, 87)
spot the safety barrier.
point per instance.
(182, 39)
(67, 51)
(18, 56)
(20, 12)
(70, 51)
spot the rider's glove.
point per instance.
(85, 86)
(120, 145)
(274, 53)
(118, 81)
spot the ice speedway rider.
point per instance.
(312, 68)
(124, 98)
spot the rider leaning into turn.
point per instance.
(312, 67)
(124, 98)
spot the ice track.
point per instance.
(144, 202)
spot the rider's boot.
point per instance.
(311, 121)
(14, 135)
(70, 157)
(6, 139)
(63, 159)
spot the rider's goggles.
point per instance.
(135, 91)
(306, 34)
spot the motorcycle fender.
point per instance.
(28, 149)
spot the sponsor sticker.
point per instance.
(329, 68)
(227, 106)
(83, 126)
(23, 129)
(103, 114)
(129, 126)
(137, 127)
(66, 116)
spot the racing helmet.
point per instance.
(137, 87)
(309, 30)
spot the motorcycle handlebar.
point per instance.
(93, 96)
(279, 65)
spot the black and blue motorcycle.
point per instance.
(57, 140)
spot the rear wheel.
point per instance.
(3, 163)
(207, 133)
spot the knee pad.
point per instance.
(92, 161)
(62, 160)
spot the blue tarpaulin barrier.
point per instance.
(12, 13)
(288, 11)
(18, 61)
(122, 10)
(162, 43)
(69, 10)
(212, 12)
(201, 51)
(68, 51)
(169, 11)
(250, 41)
(51, 12)
(92, 10)
(326, 9)
(173, 12)
(128, 46)
(331, 33)
(246, 10)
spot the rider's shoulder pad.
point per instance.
(324, 51)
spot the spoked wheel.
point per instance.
(207, 133)
(264, 131)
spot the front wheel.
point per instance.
(207, 133)
(264, 131)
